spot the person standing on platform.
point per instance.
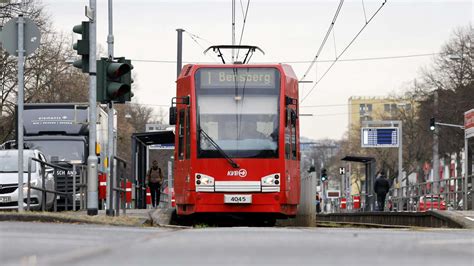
(381, 188)
(155, 180)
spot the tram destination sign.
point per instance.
(228, 78)
(379, 137)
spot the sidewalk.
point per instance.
(133, 217)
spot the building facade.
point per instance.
(369, 108)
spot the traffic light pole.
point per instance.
(92, 161)
(435, 146)
(110, 127)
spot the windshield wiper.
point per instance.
(222, 152)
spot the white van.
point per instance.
(9, 180)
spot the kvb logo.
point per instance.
(240, 173)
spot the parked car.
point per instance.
(431, 202)
(9, 180)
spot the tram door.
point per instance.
(291, 155)
(183, 181)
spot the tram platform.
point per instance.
(434, 218)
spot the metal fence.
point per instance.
(120, 186)
(449, 193)
(51, 171)
(446, 194)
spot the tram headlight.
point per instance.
(268, 180)
(271, 180)
(204, 183)
(207, 180)
(204, 180)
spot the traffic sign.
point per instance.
(9, 36)
(379, 137)
(342, 170)
(469, 123)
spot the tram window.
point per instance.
(287, 135)
(293, 134)
(188, 134)
(181, 135)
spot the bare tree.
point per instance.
(48, 78)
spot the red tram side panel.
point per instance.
(237, 140)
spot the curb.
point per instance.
(15, 217)
(164, 218)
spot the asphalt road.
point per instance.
(69, 244)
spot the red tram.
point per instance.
(237, 140)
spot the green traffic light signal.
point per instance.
(82, 46)
(324, 175)
(432, 124)
(114, 80)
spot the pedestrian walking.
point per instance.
(318, 203)
(381, 188)
(155, 180)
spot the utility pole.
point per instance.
(179, 60)
(435, 145)
(400, 154)
(110, 126)
(233, 29)
(92, 161)
(21, 79)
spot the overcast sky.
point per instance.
(288, 31)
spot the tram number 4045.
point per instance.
(237, 198)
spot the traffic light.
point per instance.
(114, 80)
(312, 169)
(82, 46)
(324, 175)
(432, 124)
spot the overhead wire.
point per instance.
(343, 51)
(308, 61)
(336, 14)
(195, 38)
(149, 104)
(243, 24)
(198, 37)
(347, 104)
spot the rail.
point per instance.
(44, 173)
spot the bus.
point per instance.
(236, 140)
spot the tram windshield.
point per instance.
(238, 109)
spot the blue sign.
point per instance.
(379, 137)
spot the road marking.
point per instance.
(470, 219)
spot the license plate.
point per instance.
(5, 199)
(237, 198)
